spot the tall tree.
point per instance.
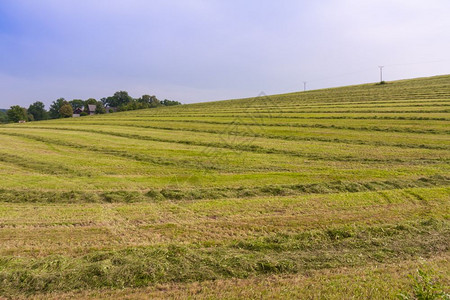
(17, 113)
(37, 110)
(99, 108)
(66, 111)
(56, 106)
(91, 101)
(151, 101)
(118, 99)
(170, 102)
(3, 117)
(76, 104)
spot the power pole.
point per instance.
(304, 85)
(381, 73)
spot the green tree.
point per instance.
(17, 113)
(66, 111)
(3, 117)
(119, 98)
(37, 110)
(133, 105)
(99, 108)
(151, 101)
(56, 106)
(90, 101)
(170, 102)
(76, 103)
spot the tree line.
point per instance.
(61, 108)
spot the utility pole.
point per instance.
(381, 73)
(304, 86)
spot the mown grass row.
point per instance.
(286, 111)
(279, 254)
(39, 166)
(173, 134)
(262, 122)
(373, 281)
(107, 151)
(286, 133)
(272, 116)
(37, 230)
(378, 104)
(347, 111)
(255, 147)
(177, 193)
(293, 103)
(245, 146)
(250, 133)
(273, 120)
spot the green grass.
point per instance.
(267, 197)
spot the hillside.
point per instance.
(268, 196)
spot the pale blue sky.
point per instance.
(198, 50)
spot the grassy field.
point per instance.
(327, 194)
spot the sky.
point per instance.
(205, 50)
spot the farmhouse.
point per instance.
(91, 109)
(77, 112)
